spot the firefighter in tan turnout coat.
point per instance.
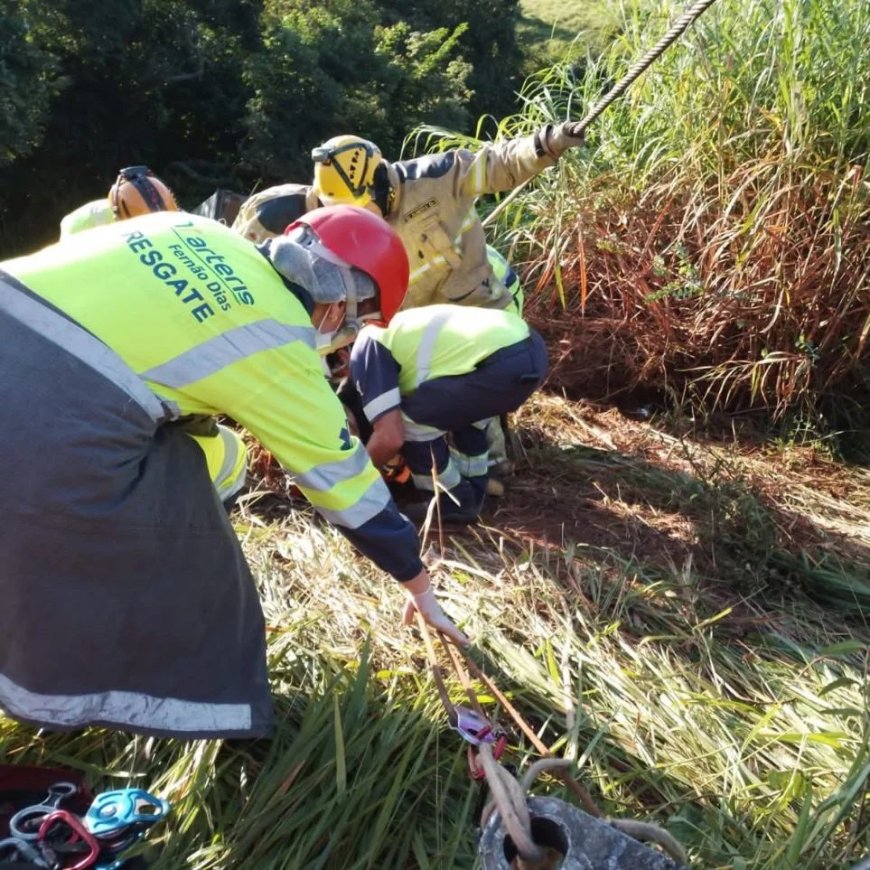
(429, 201)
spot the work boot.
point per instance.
(470, 498)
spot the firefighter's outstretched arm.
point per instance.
(300, 420)
(503, 165)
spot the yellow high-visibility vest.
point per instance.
(202, 317)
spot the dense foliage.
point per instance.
(216, 93)
(26, 72)
(712, 242)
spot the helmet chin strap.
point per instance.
(351, 307)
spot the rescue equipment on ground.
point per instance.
(68, 828)
(530, 833)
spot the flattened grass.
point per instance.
(736, 717)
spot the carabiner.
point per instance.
(472, 726)
(78, 833)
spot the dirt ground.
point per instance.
(634, 483)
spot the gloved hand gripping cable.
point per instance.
(571, 133)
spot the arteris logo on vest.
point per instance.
(203, 264)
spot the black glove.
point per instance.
(555, 140)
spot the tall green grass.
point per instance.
(711, 238)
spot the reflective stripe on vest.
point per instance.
(427, 346)
(369, 505)
(233, 447)
(124, 708)
(19, 302)
(220, 351)
(323, 478)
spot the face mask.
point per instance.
(323, 342)
(328, 342)
(333, 339)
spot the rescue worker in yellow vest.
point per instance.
(138, 191)
(127, 600)
(439, 370)
(430, 202)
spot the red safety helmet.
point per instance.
(366, 242)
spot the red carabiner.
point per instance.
(476, 770)
(78, 833)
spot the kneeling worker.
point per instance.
(439, 370)
(127, 600)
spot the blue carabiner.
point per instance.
(115, 811)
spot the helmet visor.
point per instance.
(302, 258)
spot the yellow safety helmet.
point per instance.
(139, 191)
(344, 170)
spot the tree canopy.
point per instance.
(213, 93)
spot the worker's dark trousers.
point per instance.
(125, 599)
(500, 384)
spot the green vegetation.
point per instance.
(551, 30)
(711, 243)
(684, 619)
(216, 93)
(663, 631)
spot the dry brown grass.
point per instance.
(725, 305)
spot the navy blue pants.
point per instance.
(498, 385)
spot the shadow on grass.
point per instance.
(732, 535)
